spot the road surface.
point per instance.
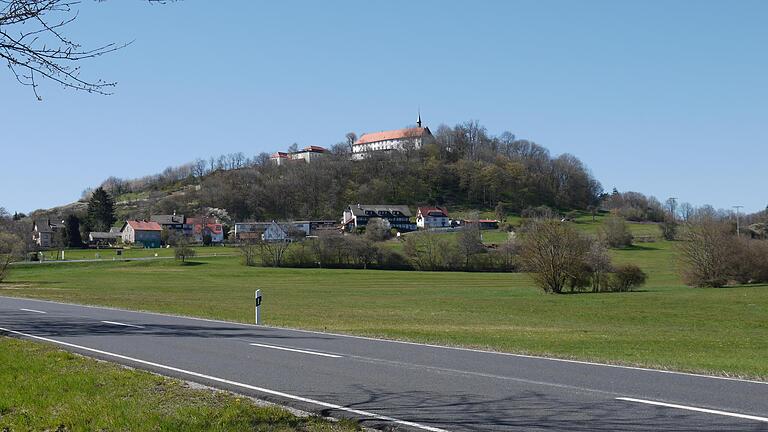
(395, 384)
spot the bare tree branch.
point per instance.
(33, 44)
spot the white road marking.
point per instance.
(296, 350)
(33, 310)
(121, 324)
(690, 408)
(482, 351)
(235, 383)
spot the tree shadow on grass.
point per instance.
(637, 247)
(192, 263)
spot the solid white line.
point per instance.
(235, 383)
(33, 310)
(690, 408)
(482, 351)
(121, 324)
(296, 350)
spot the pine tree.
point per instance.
(101, 210)
(72, 224)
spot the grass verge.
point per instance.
(43, 388)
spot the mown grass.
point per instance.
(80, 254)
(45, 389)
(665, 325)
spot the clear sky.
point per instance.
(669, 98)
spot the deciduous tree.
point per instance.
(553, 253)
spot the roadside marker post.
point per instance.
(258, 306)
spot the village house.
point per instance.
(110, 238)
(432, 217)
(43, 232)
(173, 223)
(293, 229)
(399, 139)
(485, 224)
(202, 226)
(145, 233)
(357, 216)
(307, 154)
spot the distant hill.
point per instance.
(462, 167)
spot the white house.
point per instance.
(357, 216)
(275, 233)
(43, 231)
(307, 154)
(432, 217)
(398, 139)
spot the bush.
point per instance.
(707, 252)
(616, 233)
(668, 229)
(626, 277)
(11, 249)
(749, 261)
(377, 229)
(553, 252)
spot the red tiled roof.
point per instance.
(215, 228)
(279, 155)
(144, 225)
(316, 149)
(427, 210)
(393, 135)
(197, 225)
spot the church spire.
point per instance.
(418, 122)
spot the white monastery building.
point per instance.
(399, 139)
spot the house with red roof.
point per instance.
(206, 226)
(432, 217)
(145, 233)
(386, 141)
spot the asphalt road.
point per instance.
(395, 384)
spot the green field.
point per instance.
(80, 254)
(45, 389)
(666, 325)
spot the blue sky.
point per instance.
(665, 98)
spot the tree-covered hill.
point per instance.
(464, 167)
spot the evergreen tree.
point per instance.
(101, 210)
(72, 224)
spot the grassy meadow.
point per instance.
(108, 254)
(46, 389)
(666, 325)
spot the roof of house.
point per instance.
(213, 226)
(373, 137)
(314, 149)
(360, 209)
(431, 210)
(167, 219)
(279, 155)
(104, 235)
(43, 225)
(144, 225)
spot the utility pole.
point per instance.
(738, 228)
